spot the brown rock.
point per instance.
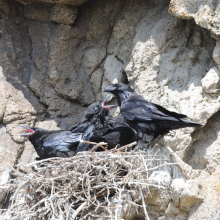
(15, 109)
(67, 2)
(38, 12)
(172, 209)
(189, 195)
(9, 152)
(64, 14)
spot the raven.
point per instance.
(115, 132)
(62, 143)
(94, 115)
(55, 143)
(146, 117)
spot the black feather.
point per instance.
(56, 143)
(144, 116)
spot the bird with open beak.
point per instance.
(95, 116)
(63, 143)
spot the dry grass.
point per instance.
(82, 187)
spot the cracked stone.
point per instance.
(92, 59)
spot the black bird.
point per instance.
(144, 116)
(115, 133)
(55, 143)
(94, 116)
(62, 143)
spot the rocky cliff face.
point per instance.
(56, 58)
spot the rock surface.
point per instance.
(211, 82)
(68, 2)
(54, 63)
(63, 14)
(113, 70)
(177, 187)
(159, 193)
(9, 152)
(188, 195)
(205, 13)
(216, 53)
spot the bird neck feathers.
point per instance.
(122, 97)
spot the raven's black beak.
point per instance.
(109, 89)
(29, 129)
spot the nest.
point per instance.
(89, 185)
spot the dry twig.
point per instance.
(80, 187)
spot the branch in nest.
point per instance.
(99, 145)
(96, 145)
(84, 186)
(126, 146)
(80, 208)
(143, 203)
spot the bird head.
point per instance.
(120, 90)
(97, 108)
(117, 88)
(29, 129)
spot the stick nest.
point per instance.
(89, 185)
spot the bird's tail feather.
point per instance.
(191, 123)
